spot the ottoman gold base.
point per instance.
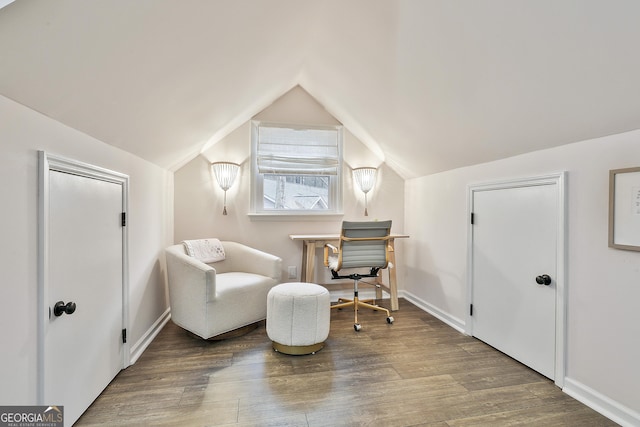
(297, 350)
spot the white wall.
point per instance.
(22, 133)
(603, 347)
(198, 199)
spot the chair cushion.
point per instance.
(238, 282)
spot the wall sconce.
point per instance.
(366, 179)
(225, 173)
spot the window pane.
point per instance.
(298, 192)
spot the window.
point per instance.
(297, 170)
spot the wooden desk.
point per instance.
(310, 242)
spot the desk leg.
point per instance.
(393, 284)
(303, 264)
(309, 252)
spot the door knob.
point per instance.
(60, 308)
(543, 280)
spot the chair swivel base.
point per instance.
(356, 303)
(242, 330)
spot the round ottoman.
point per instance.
(298, 317)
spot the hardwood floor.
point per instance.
(416, 372)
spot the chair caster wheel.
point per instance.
(357, 327)
(390, 319)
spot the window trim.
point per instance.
(257, 181)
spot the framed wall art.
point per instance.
(624, 209)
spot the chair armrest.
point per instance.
(239, 257)
(334, 250)
(188, 278)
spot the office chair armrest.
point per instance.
(326, 252)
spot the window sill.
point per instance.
(296, 216)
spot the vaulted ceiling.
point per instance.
(429, 85)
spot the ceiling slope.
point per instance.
(427, 85)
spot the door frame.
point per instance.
(560, 181)
(46, 163)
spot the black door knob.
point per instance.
(60, 308)
(543, 280)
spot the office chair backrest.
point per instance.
(364, 244)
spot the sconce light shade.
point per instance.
(366, 179)
(225, 173)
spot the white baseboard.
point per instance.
(598, 402)
(454, 322)
(141, 345)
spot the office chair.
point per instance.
(362, 245)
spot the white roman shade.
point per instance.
(291, 151)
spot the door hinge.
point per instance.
(470, 309)
(124, 219)
(124, 336)
(472, 218)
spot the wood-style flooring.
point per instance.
(416, 372)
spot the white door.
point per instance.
(514, 245)
(83, 350)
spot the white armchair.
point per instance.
(213, 299)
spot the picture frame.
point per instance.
(624, 209)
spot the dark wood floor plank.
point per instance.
(416, 372)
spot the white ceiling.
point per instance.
(429, 84)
